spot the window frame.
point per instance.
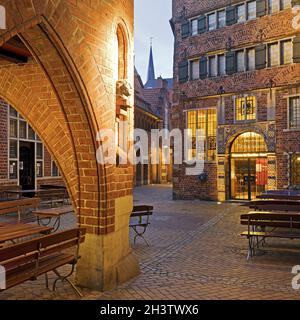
(240, 5)
(215, 24)
(214, 158)
(209, 58)
(245, 97)
(291, 128)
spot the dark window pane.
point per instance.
(13, 112)
(39, 151)
(31, 133)
(13, 149)
(13, 128)
(54, 169)
(23, 129)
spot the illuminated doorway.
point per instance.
(248, 166)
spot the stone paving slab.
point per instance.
(196, 252)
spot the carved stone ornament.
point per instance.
(124, 89)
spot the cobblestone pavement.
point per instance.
(196, 252)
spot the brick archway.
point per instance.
(67, 95)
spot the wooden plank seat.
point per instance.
(31, 259)
(53, 197)
(4, 195)
(262, 225)
(274, 205)
(19, 206)
(13, 231)
(139, 225)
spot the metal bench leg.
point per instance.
(66, 278)
(47, 281)
(250, 249)
(139, 234)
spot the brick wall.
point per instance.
(205, 93)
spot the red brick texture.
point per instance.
(205, 93)
(67, 92)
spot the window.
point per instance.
(286, 52)
(245, 108)
(240, 61)
(39, 151)
(212, 22)
(192, 125)
(194, 65)
(221, 65)
(13, 128)
(285, 4)
(39, 169)
(13, 169)
(54, 169)
(194, 27)
(221, 19)
(23, 130)
(251, 10)
(294, 113)
(241, 14)
(249, 142)
(13, 149)
(295, 170)
(13, 112)
(31, 133)
(250, 59)
(273, 55)
(206, 121)
(273, 6)
(212, 66)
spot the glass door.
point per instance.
(249, 177)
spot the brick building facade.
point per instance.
(15, 134)
(237, 78)
(152, 104)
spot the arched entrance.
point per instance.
(248, 166)
(59, 77)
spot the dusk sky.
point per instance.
(152, 20)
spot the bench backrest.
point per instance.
(13, 206)
(142, 210)
(275, 205)
(51, 194)
(31, 251)
(269, 219)
(5, 188)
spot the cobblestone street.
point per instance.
(195, 252)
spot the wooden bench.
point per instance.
(139, 225)
(262, 225)
(53, 197)
(274, 205)
(18, 206)
(5, 188)
(14, 231)
(31, 259)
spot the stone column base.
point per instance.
(107, 260)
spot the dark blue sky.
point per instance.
(152, 20)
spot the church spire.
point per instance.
(151, 72)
